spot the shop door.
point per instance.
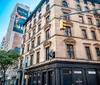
(78, 77)
(44, 78)
(67, 77)
(92, 78)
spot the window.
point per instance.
(39, 27)
(47, 1)
(70, 51)
(29, 35)
(97, 22)
(47, 8)
(78, 1)
(86, 8)
(93, 35)
(38, 57)
(34, 15)
(88, 52)
(64, 4)
(26, 61)
(28, 46)
(79, 8)
(90, 21)
(47, 18)
(31, 60)
(34, 21)
(38, 40)
(68, 31)
(39, 17)
(30, 26)
(47, 53)
(34, 79)
(33, 32)
(97, 51)
(84, 34)
(32, 44)
(47, 34)
(40, 9)
(81, 19)
(22, 50)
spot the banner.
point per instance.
(21, 16)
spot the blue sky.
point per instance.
(6, 8)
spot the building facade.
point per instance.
(2, 43)
(15, 28)
(57, 56)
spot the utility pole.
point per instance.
(80, 12)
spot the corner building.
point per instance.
(75, 51)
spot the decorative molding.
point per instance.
(83, 26)
(69, 40)
(33, 38)
(64, 9)
(86, 43)
(93, 28)
(23, 45)
(31, 51)
(96, 44)
(47, 44)
(47, 13)
(47, 26)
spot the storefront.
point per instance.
(64, 73)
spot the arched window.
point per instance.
(64, 4)
(86, 8)
(79, 8)
(47, 8)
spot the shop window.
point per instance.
(44, 78)
(51, 77)
(38, 78)
(70, 51)
(88, 53)
(34, 79)
(67, 77)
(68, 31)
